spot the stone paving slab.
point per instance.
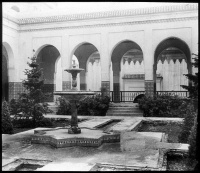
(66, 166)
(95, 122)
(139, 158)
(125, 125)
(130, 141)
(172, 146)
(163, 119)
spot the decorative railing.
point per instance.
(123, 96)
(129, 96)
(173, 93)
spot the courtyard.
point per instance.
(107, 156)
(109, 88)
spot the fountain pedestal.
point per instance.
(74, 96)
(74, 129)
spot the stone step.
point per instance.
(124, 109)
(122, 112)
(125, 114)
(123, 104)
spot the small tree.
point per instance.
(6, 127)
(31, 102)
(193, 89)
(194, 128)
(34, 81)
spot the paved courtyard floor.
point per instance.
(77, 158)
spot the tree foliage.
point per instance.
(193, 89)
(30, 103)
(6, 126)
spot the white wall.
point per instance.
(103, 33)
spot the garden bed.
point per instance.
(179, 163)
(173, 129)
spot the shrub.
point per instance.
(44, 122)
(64, 107)
(7, 127)
(14, 107)
(37, 114)
(192, 140)
(160, 106)
(188, 112)
(23, 123)
(95, 105)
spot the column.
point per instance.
(149, 67)
(65, 63)
(105, 62)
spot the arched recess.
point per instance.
(119, 51)
(83, 51)
(171, 54)
(48, 57)
(8, 73)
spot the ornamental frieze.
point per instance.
(112, 24)
(118, 13)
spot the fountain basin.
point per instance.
(59, 137)
(74, 95)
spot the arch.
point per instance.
(118, 52)
(48, 57)
(121, 41)
(38, 45)
(177, 43)
(171, 44)
(83, 51)
(79, 45)
(132, 45)
(37, 51)
(10, 62)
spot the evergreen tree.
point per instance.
(6, 126)
(193, 89)
(34, 81)
(31, 101)
(193, 139)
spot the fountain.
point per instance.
(74, 96)
(59, 137)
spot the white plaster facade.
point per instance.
(147, 27)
